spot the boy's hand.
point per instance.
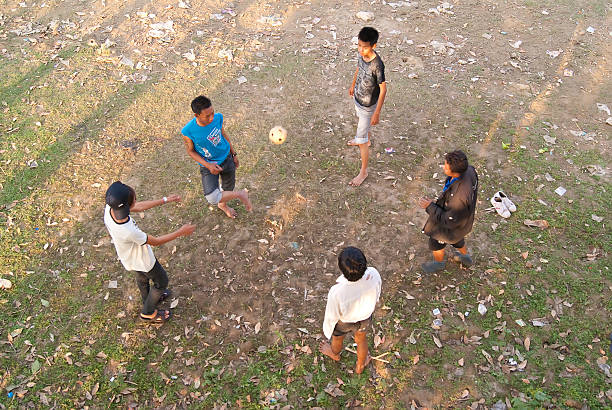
(352, 90)
(375, 119)
(424, 202)
(236, 162)
(215, 169)
(187, 229)
(173, 198)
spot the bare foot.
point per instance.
(359, 369)
(353, 143)
(244, 197)
(230, 212)
(325, 348)
(359, 179)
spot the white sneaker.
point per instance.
(499, 206)
(509, 204)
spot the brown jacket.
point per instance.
(451, 216)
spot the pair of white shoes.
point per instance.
(502, 204)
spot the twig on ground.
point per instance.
(377, 358)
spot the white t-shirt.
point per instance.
(351, 302)
(130, 243)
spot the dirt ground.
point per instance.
(468, 75)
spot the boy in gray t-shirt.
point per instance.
(368, 90)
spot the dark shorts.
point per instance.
(434, 245)
(210, 182)
(343, 329)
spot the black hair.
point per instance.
(457, 161)
(200, 103)
(368, 35)
(352, 262)
(131, 197)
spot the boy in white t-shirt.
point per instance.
(350, 304)
(134, 246)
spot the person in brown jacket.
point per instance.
(451, 216)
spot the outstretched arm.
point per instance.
(144, 205)
(184, 230)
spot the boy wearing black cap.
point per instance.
(134, 246)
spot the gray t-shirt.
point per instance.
(369, 77)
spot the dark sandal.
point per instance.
(165, 295)
(160, 317)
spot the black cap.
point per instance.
(118, 198)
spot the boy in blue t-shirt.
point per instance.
(207, 143)
(368, 90)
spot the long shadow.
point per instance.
(27, 179)
(11, 92)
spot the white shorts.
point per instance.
(363, 126)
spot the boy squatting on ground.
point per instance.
(368, 91)
(452, 215)
(350, 304)
(134, 246)
(207, 143)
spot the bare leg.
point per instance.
(438, 255)
(332, 350)
(242, 195)
(363, 358)
(363, 173)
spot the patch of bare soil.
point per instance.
(457, 79)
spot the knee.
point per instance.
(214, 197)
(162, 281)
(141, 278)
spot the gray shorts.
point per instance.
(363, 126)
(343, 328)
(210, 182)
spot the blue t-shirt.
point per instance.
(208, 141)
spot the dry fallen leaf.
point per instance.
(437, 342)
(460, 362)
(257, 327)
(377, 341)
(333, 390)
(527, 343)
(487, 356)
(538, 223)
(411, 338)
(416, 359)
